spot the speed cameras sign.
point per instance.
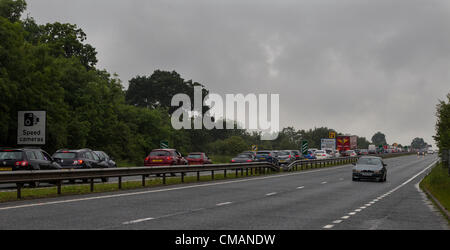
(31, 127)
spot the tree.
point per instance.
(418, 143)
(363, 142)
(442, 136)
(379, 139)
(12, 10)
(157, 90)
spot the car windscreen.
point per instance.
(369, 161)
(319, 152)
(65, 155)
(244, 156)
(11, 155)
(160, 153)
(195, 156)
(263, 153)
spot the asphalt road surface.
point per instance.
(315, 199)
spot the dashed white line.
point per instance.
(324, 182)
(337, 221)
(328, 226)
(300, 187)
(270, 194)
(137, 221)
(345, 217)
(224, 203)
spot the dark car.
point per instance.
(268, 156)
(369, 167)
(310, 155)
(243, 157)
(106, 158)
(285, 157)
(198, 158)
(164, 157)
(26, 159)
(250, 152)
(78, 159)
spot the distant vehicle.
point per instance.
(79, 159)
(198, 158)
(364, 151)
(250, 152)
(106, 158)
(310, 155)
(15, 159)
(269, 156)
(242, 158)
(297, 154)
(369, 167)
(321, 154)
(421, 152)
(164, 157)
(430, 151)
(26, 159)
(349, 153)
(285, 157)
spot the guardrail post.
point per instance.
(120, 182)
(198, 175)
(19, 190)
(143, 180)
(58, 183)
(242, 172)
(182, 177)
(92, 184)
(246, 170)
(164, 179)
(224, 173)
(212, 174)
(237, 173)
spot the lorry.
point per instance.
(346, 142)
(372, 149)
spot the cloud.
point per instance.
(356, 66)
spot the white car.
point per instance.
(321, 154)
(430, 151)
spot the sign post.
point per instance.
(332, 135)
(31, 126)
(255, 148)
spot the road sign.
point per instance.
(328, 144)
(31, 127)
(254, 147)
(304, 147)
(164, 144)
(332, 135)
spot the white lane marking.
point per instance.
(168, 189)
(368, 204)
(137, 221)
(324, 182)
(270, 194)
(328, 226)
(337, 221)
(224, 203)
(300, 187)
(387, 193)
(345, 217)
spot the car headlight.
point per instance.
(377, 171)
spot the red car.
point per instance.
(164, 157)
(198, 158)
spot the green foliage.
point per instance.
(418, 143)
(442, 136)
(12, 10)
(379, 139)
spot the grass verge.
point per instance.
(438, 184)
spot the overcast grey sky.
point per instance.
(356, 66)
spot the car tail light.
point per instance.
(22, 163)
(77, 162)
(249, 160)
(232, 160)
(324, 155)
(169, 158)
(147, 158)
(297, 155)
